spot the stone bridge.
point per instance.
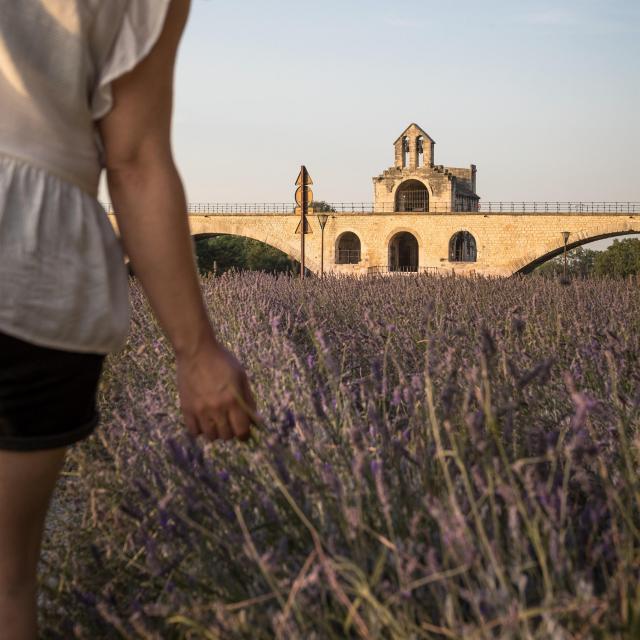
(425, 217)
(486, 242)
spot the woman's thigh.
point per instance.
(27, 481)
(47, 402)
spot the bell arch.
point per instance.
(420, 152)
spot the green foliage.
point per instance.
(320, 206)
(262, 257)
(224, 252)
(621, 259)
(580, 264)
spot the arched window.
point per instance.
(348, 250)
(412, 195)
(462, 248)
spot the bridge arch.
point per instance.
(217, 234)
(277, 231)
(556, 249)
(249, 236)
(412, 195)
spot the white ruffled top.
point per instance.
(63, 281)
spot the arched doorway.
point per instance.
(348, 249)
(403, 252)
(412, 195)
(462, 247)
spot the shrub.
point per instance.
(441, 458)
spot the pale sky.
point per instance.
(542, 96)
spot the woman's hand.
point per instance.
(215, 395)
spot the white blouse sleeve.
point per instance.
(140, 27)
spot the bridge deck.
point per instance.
(507, 241)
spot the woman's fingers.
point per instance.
(208, 427)
(215, 424)
(240, 423)
(191, 424)
(248, 393)
(220, 419)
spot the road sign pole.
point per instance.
(303, 214)
(322, 220)
(304, 203)
(304, 198)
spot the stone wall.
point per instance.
(464, 177)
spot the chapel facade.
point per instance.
(416, 184)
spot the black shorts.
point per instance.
(47, 396)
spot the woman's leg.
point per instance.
(27, 481)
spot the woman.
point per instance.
(87, 85)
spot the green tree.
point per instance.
(225, 252)
(320, 206)
(580, 264)
(621, 259)
(263, 257)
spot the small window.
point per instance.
(348, 251)
(462, 248)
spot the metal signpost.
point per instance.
(322, 221)
(304, 196)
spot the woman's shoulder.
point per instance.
(122, 36)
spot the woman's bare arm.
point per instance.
(149, 200)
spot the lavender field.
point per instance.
(441, 458)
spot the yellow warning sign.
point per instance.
(307, 227)
(299, 192)
(304, 178)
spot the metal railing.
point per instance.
(399, 269)
(348, 256)
(559, 207)
(251, 208)
(288, 209)
(386, 207)
(408, 201)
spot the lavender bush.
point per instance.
(441, 458)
